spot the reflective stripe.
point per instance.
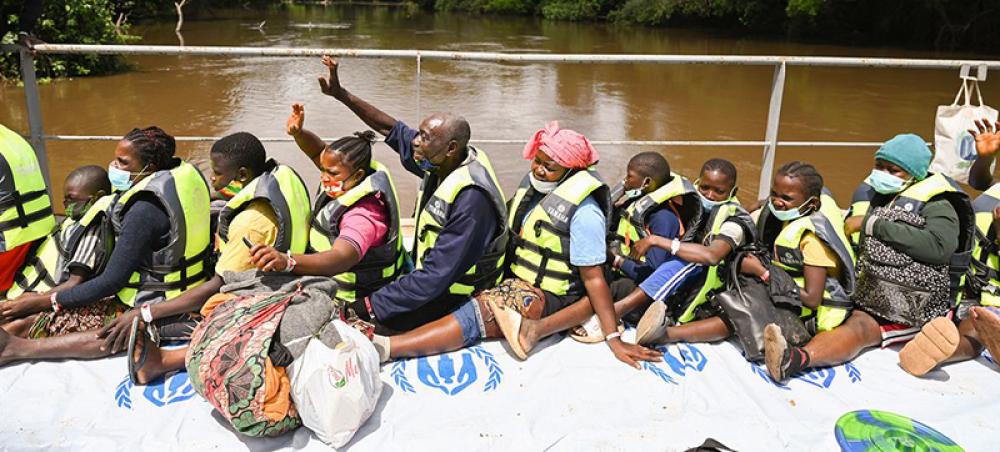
(986, 263)
(284, 191)
(25, 207)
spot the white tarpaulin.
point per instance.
(567, 396)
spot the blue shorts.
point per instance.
(669, 277)
(470, 319)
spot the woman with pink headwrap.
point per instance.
(556, 262)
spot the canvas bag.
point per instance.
(336, 389)
(954, 146)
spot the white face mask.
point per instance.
(542, 186)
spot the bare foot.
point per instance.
(528, 337)
(5, 339)
(987, 324)
(153, 367)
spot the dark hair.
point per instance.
(721, 165)
(459, 130)
(652, 165)
(812, 181)
(92, 178)
(154, 146)
(243, 149)
(356, 149)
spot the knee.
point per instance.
(865, 328)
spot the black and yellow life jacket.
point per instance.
(433, 213)
(986, 262)
(630, 223)
(25, 206)
(284, 191)
(381, 265)
(541, 236)
(183, 263)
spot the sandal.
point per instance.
(589, 332)
(136, 334)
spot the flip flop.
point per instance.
(653, 324)
(589, 332)
(509, 322)
(935, 342)
(136, 334)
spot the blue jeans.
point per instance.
(470, 319)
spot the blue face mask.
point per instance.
(708, 204)
(787, 215)
(120, 179)
(885, 183)
(426, 165)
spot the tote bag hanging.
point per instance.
(954, 146)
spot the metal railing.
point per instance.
(770, 142)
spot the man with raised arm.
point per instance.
(460, 232)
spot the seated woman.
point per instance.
(805, 224)
(941, 341)
(355, 230)
(70, 255)
(917, 224)
(151, 256)
(266, 203)
(559, 216)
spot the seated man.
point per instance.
(75, 252)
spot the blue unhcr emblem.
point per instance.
(821, 377)
(162, 392)
(451, 373)
(690, 358)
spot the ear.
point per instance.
(99, 194)
(452, 148)
(243, 174)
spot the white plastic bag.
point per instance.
(954, 147)
(336, 390)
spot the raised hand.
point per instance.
(294, 125)
(987, 137)
(331, 84)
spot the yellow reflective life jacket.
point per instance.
(433, 213)
(46, 267)
(714, 278)
(630, 222)
(25, 206)
(284, 191)
(986, 263)
(860, 203)
(381, 265)
(828, 224)
(182, 264)
(541, 235)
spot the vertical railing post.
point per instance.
(419, 115)
(771, 135)
(34, 105)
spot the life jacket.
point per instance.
(25, 206)
(381, 265)
(828, 224)
(433, 213)
(284, 191)
(46, 267)
(182, 264)
(715, 275)
(631, 222)
(861, 201)
(541, 236)
(986, 263)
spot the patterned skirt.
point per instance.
(75, 320)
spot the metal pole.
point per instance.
(37, 138)
(771, 136)
(419, 116)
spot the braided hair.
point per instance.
(811, 180)
(243, 149)
(721, 165)
(355, 150)
(154, 147)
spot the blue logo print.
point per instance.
(451, 373)
(690, 358)
(966, 146)
(164, 391)
(821, 377)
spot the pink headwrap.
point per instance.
(567, 147)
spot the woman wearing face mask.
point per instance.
(75, 252)
(915, 246)
(160, 217)
(355, 230)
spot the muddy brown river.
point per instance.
(207, 96)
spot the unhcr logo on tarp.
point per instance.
(688, 359)
(164, 391)
(821, 377)
(450, 373)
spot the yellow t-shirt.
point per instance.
(257, 223)
(817, 254)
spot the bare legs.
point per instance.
(84, 345)
(440, 336)
(712, 329)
